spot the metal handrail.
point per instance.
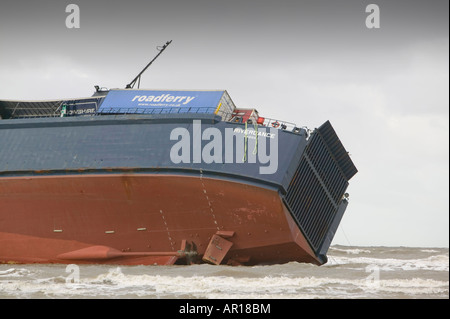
(226, 116)
(267, 122)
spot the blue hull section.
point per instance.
(144, 143)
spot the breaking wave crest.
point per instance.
(352, 272)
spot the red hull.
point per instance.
(145, 219)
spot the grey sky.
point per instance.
(384, 90)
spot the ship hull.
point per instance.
(119, 190)
(127, 218)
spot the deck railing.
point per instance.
(226, 116)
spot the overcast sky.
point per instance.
(385, 90)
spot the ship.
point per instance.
(165, 177)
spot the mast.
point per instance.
(138, 77)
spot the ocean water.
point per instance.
(351, 272)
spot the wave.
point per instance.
(434, 263)
(351, 272)
(350, 251)
(14, 272)
(117, 284)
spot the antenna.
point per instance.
(138, 77)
